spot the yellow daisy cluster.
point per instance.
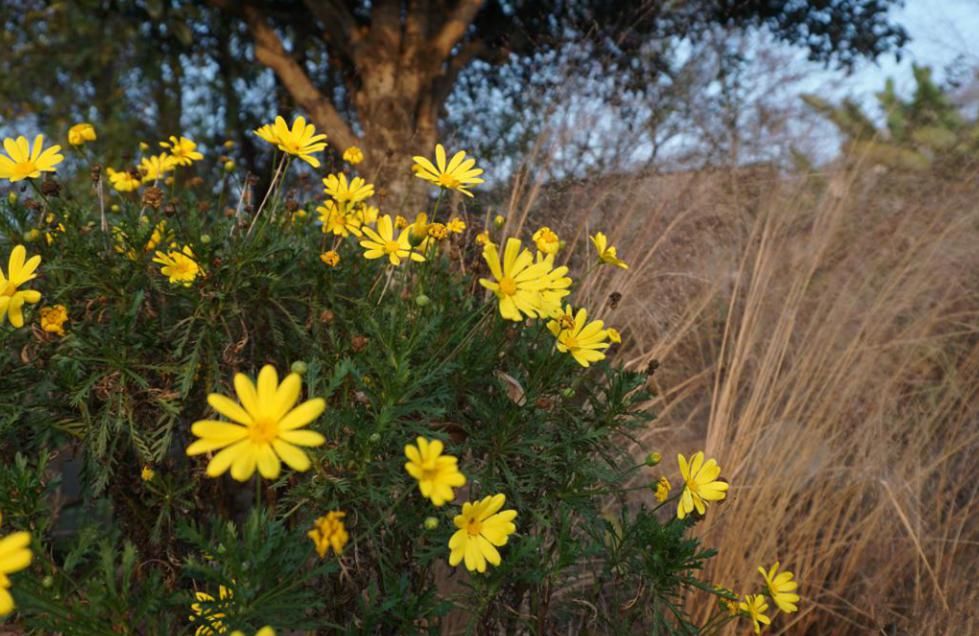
(780, 588)
(177, 151)
(481, 526)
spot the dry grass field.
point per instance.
(819, 336)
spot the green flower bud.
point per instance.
(32, 235)
(205, 238)
(653, 458)
(431, 523)
(568, 392)
(47, 582)
(422, 300)
(115, 207)
(299, 367)
(12, 197)
(229, 166)
(374, 438)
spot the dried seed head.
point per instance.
(153, 197)
(50, 188)
(359, 343)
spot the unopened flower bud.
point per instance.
(568, 392)
(11, 197)
(47, 582)
(32, 235)
(205, 238)
(299, 367)
(229, 166)
(499, 220)
(431, 523)
(422, 300)
(374, 438)
(653, 458)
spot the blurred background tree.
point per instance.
(927, 131)
(380, 74)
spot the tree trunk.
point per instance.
(396, 127)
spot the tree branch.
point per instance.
(270, 52)
(455, 26)
(340, 26)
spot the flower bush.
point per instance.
(259, 418)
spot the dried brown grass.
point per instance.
(818, 336)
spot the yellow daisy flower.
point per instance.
(483, 238)
(754, 606)
(156, 166)
(400, 222)
(15, 555)
(53, 319)
(582, 339)
(557, 287)
(267, 133)
(663, 487)
(456, 226)
(19, 272)
(331, 258)
(80, 133)
(263, 428)
(300, 141)
(25, 162)
(179, 267)
(481, 529)
(547, 241)
(606, 253)
(329, 532)
(336, 221)
(437, 474)
(182, 150)
(382, 242)
(123, 181)
(519, 280)
(147, 474)
(458, 174)
(353, 155)
(614, 335)
(265, 631)
(700, 484)
(356, 190)
(367, 214)
(211, 619)
(781, 588)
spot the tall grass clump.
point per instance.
(298, 412)
(818, 335)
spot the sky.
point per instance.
(941, 31)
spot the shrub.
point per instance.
(419, 454)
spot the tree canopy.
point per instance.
(373, 73)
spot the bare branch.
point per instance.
(341, 29)
(455, 26)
